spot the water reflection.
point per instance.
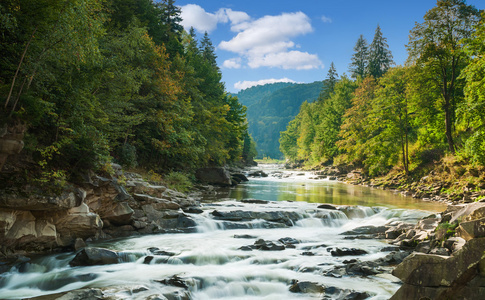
(322, 191)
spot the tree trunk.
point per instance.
(19, 66)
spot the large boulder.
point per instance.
(461, 276)
(214, 175)
(78, 222)
(91, 256)
(21, 229)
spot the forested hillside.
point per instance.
(88, 82)
(402, 117)
(271, 107)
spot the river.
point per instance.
(216, 261)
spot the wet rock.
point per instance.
(157, 251)
(307, 287)
(94, 256)
(244, 236)
(255, 201)
(335, 293)
(174, 281)
(257, 173)
(241, 177)
(347, 252)
(327, 206)
(370, 229)
(192, 210)
(307, 253)
(289, 241)
(268, 246)
(215, 175)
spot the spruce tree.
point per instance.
(360, 59)
(208, 50)
(380, 57)
(329, 83)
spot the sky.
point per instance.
(262, 41)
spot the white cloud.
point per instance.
(287, 60)
(233, 63)
(266, 42)
(195, 16)
(326, 19)
(241, 85)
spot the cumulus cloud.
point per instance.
(195, 16)
(233, 63)
(263, 42)
(266, 42)
(241, 85)
(326, 19)
(287, 60)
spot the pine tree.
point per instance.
(380, 57)
(208, 50)
(329, 83)
(360, 59)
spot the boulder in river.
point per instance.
(347, 251)
(91, 256)
(214, 175)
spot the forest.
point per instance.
(90, 82)
(269, 109)
(385, 117)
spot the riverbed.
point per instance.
(222, 258)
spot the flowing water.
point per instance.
(212, 262)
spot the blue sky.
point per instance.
(260, 41)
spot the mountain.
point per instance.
(271, 107)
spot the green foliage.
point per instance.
(473, 109)
(380, 57)
(96, 80)
(271, 107)
(360, 59)
(178, 181)
(436, 47)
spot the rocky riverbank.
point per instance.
(447, 260)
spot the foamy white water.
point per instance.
(213, 263)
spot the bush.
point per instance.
(178, 181)
(127, 156)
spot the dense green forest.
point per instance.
(384, 116)
(94, 81)
(269, 109)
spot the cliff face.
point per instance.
(99, 208)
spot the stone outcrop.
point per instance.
(97, 209)
(444, 267)
(215, 175)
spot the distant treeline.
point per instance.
(384, 117)
(96, 81)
